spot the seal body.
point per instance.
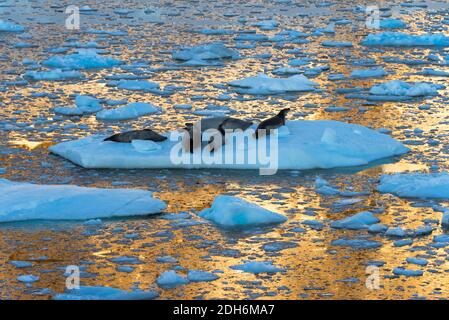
(145, 134)
(229, 124)
(272, 123)
(196, 130)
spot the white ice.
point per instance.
(26, 201)
(228, 211)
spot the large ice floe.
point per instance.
(399, 39)
(228, 211)
(83, 60)
(69, 202)
(416, 185)
(265, 85)
(301, 145)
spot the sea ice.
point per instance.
(257, 267)
(229, 211)
(131, 111)
(171, 279)
(399, 39)
(361, 220)
(324, 144)
(199, 276)
(84, 105)
(68, 202)
(263, 84)
(214, 51)
(401, 88)
(104, 293)
(53, 75)
(10, 27)
(83, 60)
(419, 185)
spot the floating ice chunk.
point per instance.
(406, 272)
(392, 24)
(67, 202)
(399, 39)
(263, 84)
(401, 88)
(251, 37)
(229, 211)
(166, 259)
(10, 27)
(351, 145)
(21, 264)
(53, 75)
(83, 60)
(435, 73)
(131, 111)
(336, 44)
(403, 242)
(361, 220)
(419, 185)
(368, 73)
(28, 278)
(257, 267)
(357, 243)
(84, 105)
(266, 25)
(171, 279)
(377, 228)
(145, 145)
(397, 232)
(126, 260)
(104, 293)
(214, 51)
(137, 85)
(417, 261)
(199, 276)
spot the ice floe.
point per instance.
(257, 267)
(361, 220)
(417, 185)
(171, 279)
(53, 75)
(203, 54)
(399, 39)
(265, 85)
(131, 111)
(310, 144)
(83, 60)
(104, 293)
(6, 26)
(401, 88)
(228, 211)
(68, 202)
(83, 105)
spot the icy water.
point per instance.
(313, 268)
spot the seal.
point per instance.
(216, 123)
(145, 134)
(272, 123)
(229, 124)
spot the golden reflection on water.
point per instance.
(314, 267)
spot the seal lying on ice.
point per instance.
(272, 123)
(217, 123)
(145, 134)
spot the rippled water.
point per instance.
(313, 267)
